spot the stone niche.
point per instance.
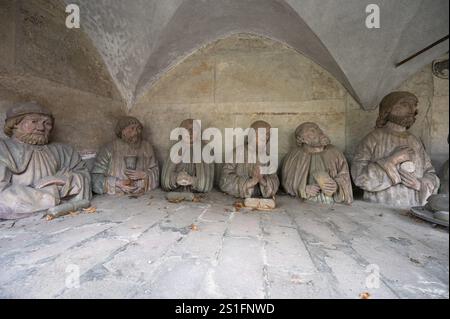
(42, 60)
(236, 80)
(228, 83)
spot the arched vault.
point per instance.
(140, 40)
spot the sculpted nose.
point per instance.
(40, 127)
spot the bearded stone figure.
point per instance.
(36, 174)
(245, 180)
(188, 176)
(390, 164)
(128, 164)
(315, 170)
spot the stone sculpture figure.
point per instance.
(315, 170)
(244, 180)
(36, 174)
(444, 177)
(390, 164)
(188, 177)
(126, 165)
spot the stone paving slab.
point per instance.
(147, 247)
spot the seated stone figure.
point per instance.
(390, 164)
(128, 164)
(35, 174)
(315, 170)
(244, 180)
(188, 177)
(444, 178)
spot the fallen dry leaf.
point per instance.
(175, 201)
(238, 205)
(90, 210)
(49, 217)
(197, 199)
(296, 279)
(194, 227)
(73, 213)
(364, 295)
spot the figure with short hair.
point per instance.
(128, 164)
(390, 164)
(245, 180)
(190, 176)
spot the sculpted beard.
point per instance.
(134, 139)
(405, 121)
(31, 138)
(323, 141)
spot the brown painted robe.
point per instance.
(235, 176)
(380, 181)
(23, 166)
(110, 166)
(299, 165)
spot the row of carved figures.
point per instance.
(390, 164)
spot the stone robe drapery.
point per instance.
(24, 166)
(203, 173)
(299, 166)
(380, 180)
(235, 176)
(444, 179)
(110, 166)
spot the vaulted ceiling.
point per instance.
(140, 40)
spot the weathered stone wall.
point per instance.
(230, 83)
(242, 78)
(83, 119)
(42, 60)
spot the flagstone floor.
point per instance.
(150, 248)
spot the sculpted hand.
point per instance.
(410, 180)
(251, 183)
(312, 190)
(330, 187)
(258, 176)
(184, 179)
(135, 175)
(124, 186)
(401, 154)
(50, 180)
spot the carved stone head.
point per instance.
(310, 134)
(129, 129)
(260, 124)
(29, 122)
(399, 108)
(189, 124)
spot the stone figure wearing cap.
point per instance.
(128, 164)
(315, 170)
(36, 174)
(390, 164)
